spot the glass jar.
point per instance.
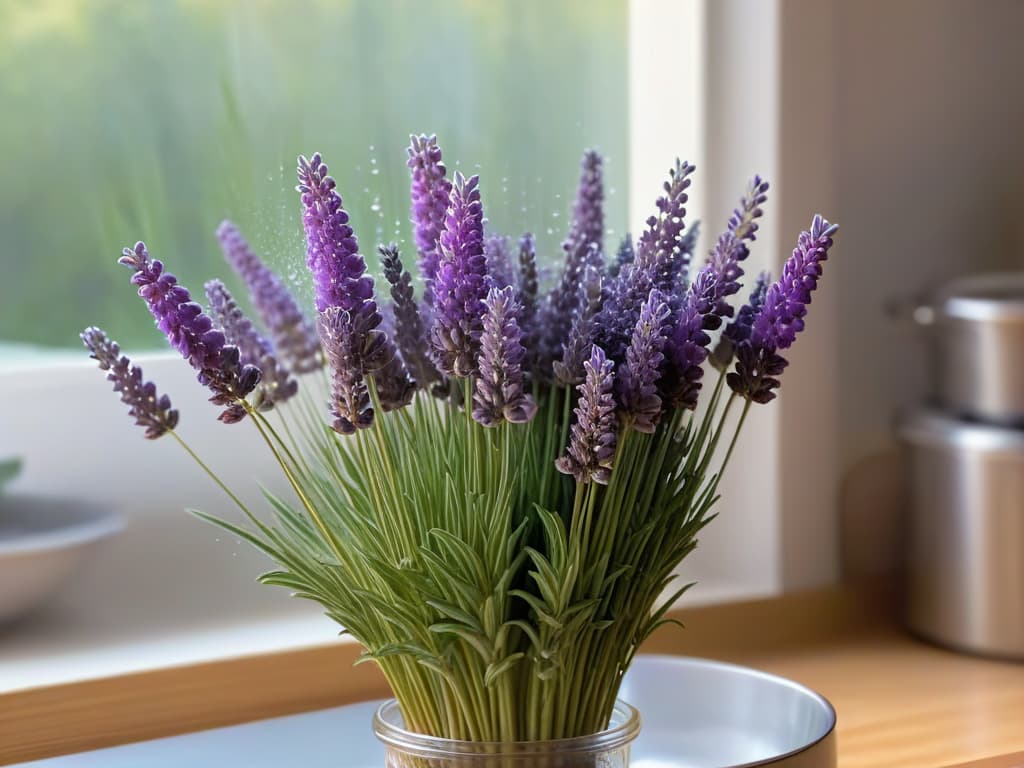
(607, 749)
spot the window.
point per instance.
(156, 120)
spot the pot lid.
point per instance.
(991, 296)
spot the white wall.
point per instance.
(929, 180)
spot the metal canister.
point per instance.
(966, 533)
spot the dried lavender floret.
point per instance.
(191, 332)
(294, 336)
(780, 319)
(150, 410)
(276, 382)
(460, 286)
(637, 382)
(499, 394)
(430, 191)
(592, 439)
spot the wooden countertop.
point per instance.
(900, 702)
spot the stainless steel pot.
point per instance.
(977, 339)
(966, 534)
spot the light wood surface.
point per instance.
(901, 703)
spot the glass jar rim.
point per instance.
(388, 727)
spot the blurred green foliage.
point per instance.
(154, 120)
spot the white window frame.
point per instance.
(735, 100)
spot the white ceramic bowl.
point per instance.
(42, 541)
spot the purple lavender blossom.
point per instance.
(582, 248)
(527, 285)
(461, 283)
(780, 319)
(191, 332)
(350, 398)
(340, 280)
(569, 370)
(731, 249)
(276, 382)
(739, 329)
(499, 260)
(150, 410)
(687, 347)
(295, 338)
(660, 252)
(332, 251)
(591, 449)
(588, 210)
(660, 263)
(408, 324)
(395, 388)
(623, 256)
(637, 382)
(430, 191)
(499, 395)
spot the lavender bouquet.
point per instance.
(507, 478)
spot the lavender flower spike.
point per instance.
(526, 294)
(661, 262)
(350, 398)
(638, 378)
(409, 331)
(731, 249)
(591, 450)
(191, 332)
(588, 211)
(430, 191)
(332, 251)
(295, 338)
(739, 329)
(499, 260)
(461, 284)
(623, 256)
(686, 349)
(276, 383)
(569, 370)
(776, 325)
(499, 395)
(150, 410)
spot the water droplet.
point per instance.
(523, 209)
(555, 214)
(373, 161)
(375, 171)
(550, 231)
(611, 190)
(372, 147)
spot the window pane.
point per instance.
(155, 120)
